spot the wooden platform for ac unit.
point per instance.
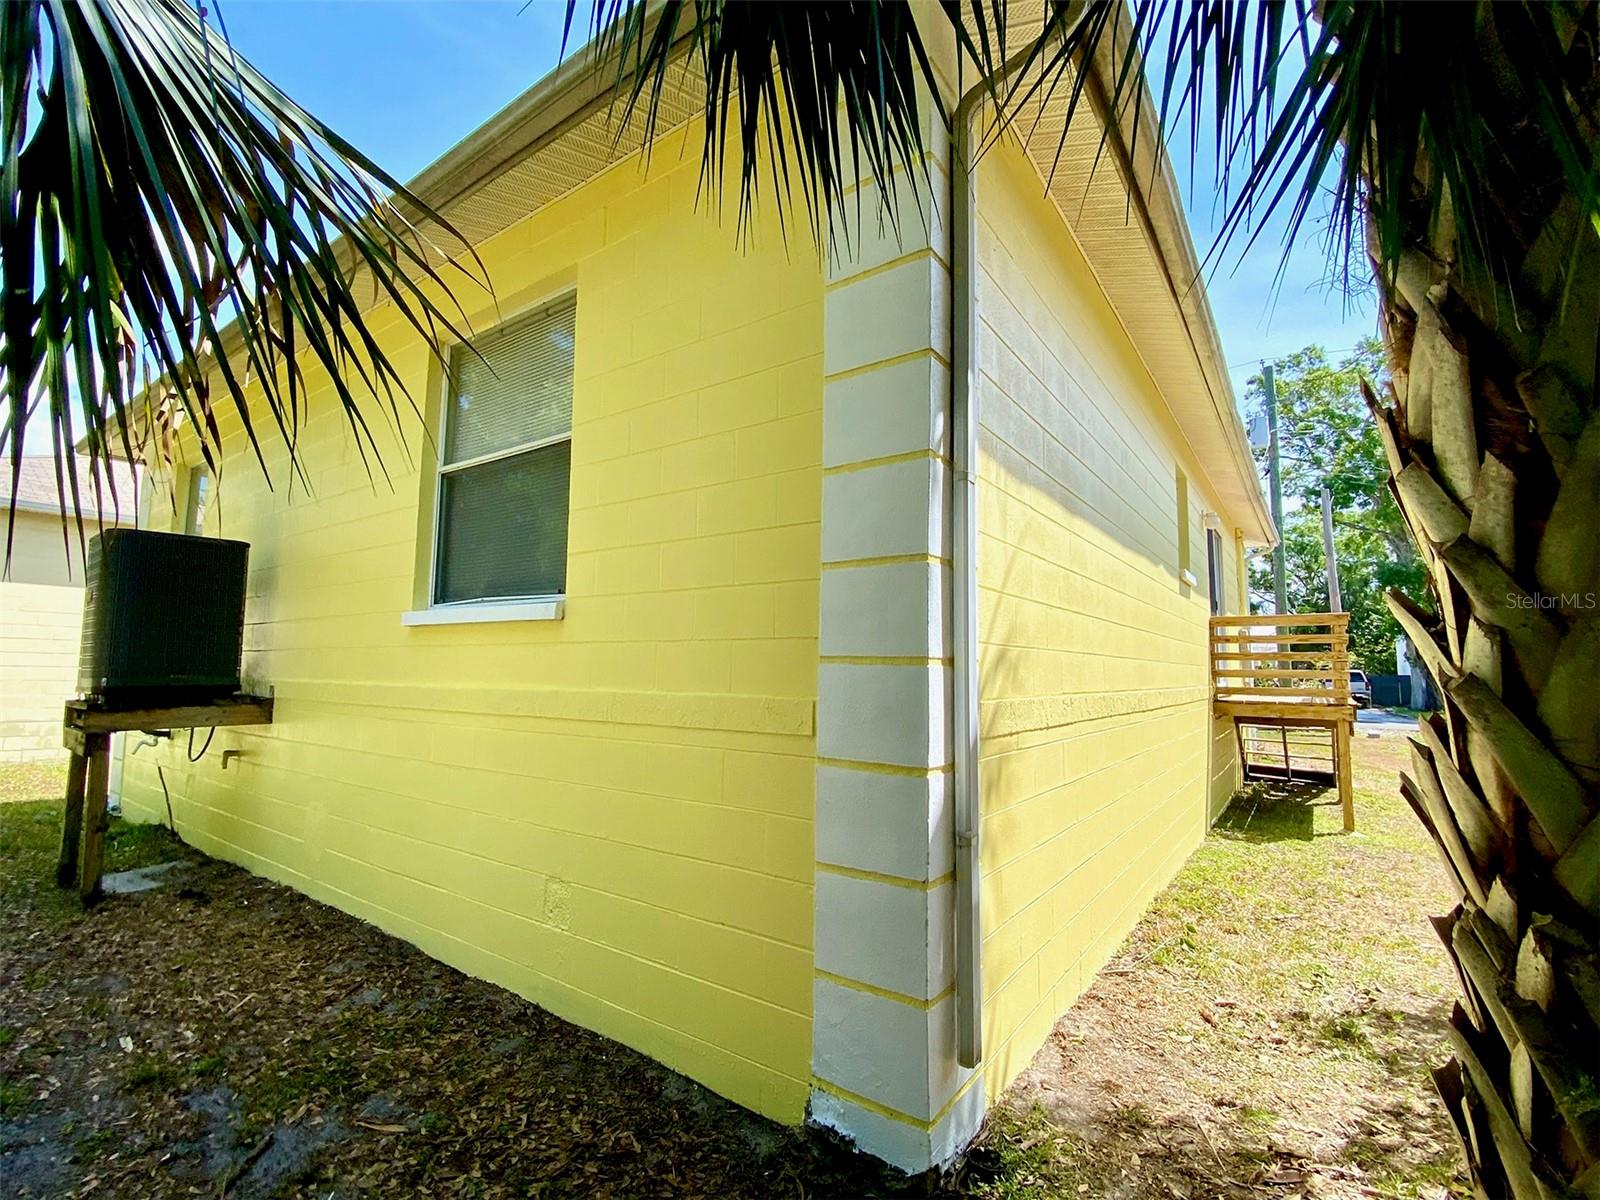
(86, 731)
(1287, 671)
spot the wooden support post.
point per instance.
(71, 822)
(1341, 755)
(91, 859)
(86, 732)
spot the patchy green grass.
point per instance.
(207, 1066)
(1260, 1118)
(1270, 884)
(97, 1144)
(1026, 1156)
(1273, 1016)
(155, 1071)
(13, 1098)
(30, 843)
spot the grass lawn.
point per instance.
(1266, 1030)
(1263, 1034)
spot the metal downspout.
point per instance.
(967, 802)
(964, 577)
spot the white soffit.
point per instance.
(556, 137)
(1128, 218)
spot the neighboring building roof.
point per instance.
(36, 489)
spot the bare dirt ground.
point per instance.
(1266, 1029)
(225, 1036)
(1262, 1034)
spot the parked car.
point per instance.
(1360, 689)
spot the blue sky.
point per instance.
(407, 79)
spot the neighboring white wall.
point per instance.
(41, 614)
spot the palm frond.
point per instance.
(1333, 110)
(156, 186)
(824, 92)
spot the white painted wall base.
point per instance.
(910, 1147)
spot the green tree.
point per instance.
(1328, 438)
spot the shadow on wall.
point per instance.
(1097, 741)
(1097, 745)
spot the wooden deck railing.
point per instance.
(1272, 659)
(1289, 672)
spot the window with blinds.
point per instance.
(505, 462)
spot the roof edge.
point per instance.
(577, 86)
(565, 95)
(1149, 174)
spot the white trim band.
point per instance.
(550, 609)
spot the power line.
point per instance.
(1249, 362)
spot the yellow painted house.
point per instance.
(792, 666)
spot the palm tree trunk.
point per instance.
(1494, 448)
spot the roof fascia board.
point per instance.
(1148, 175)
(572, 91)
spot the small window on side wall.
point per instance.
(505, 462)
(1214, 570)
(197, 501)
(1181, 489)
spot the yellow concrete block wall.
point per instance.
(1100, 764)
(610, 813)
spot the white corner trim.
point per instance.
(551, 609)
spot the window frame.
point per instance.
(1180, 487)
(196, 506)
(1214, 580)
(533, 606)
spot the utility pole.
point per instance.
(1279, 582)
(1335, 602)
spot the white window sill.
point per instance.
(475, 614)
